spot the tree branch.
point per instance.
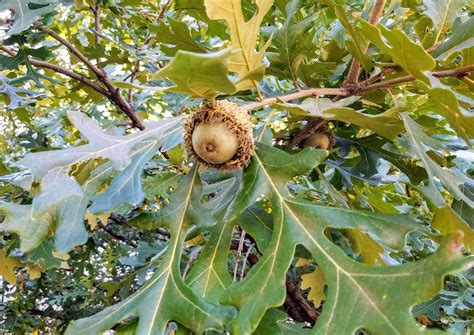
(296, 300)
(342, 92)
(459, 72)
(114, 93)
(309, 129)
(354, 71)
(297, 95)
(58, 69)
(163, 10)
(97, 26)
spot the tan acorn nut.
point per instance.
(220, 136)
(323, 138)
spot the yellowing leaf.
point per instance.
(194, 241)
(7, 266)
(446, 220)
(61, 255)
(315, 281)
(247, 63)
(92, 219)
(368, 249)
(34, 271)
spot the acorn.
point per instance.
(323, 138)
(220, 136)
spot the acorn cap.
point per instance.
(236, 119)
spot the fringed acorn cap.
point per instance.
(220, 130)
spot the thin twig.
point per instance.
(379, 75)
(354, 70)
(239, 253)
(97, 26)
(132, 79)
(244, 261)
(467, 80)
(163, 10)
(109, 230)
(190, 262)
(310, 128)
(459, 72)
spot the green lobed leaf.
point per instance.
(299, 222)
(462, 37)
(443, 13)
(70, 227)
(24, 15)
(126, 187)
(63, 197)
(386, 124)
(200, 75)
(44, 254)
(19, 97)
(420, 144)
(175, 33)
(165, 297)
(116, 148)
(409, 55)
(290, 43)
(19, 220)
(209, 276)
(161, 184)
(371, 148)
(448, 100)
(447, 221)
(51, 196)
(356, 45)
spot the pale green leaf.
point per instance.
(51, 196)
(299, 222)
(116, 148)
(24, 15)
(443, 13)
(19, 220)
(420, 144)
(165, 297)
(200, 75)
(462, 37)
(126, 187)
(386, 124)
(70, 227)
(406, 53)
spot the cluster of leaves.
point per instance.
(106, 227)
